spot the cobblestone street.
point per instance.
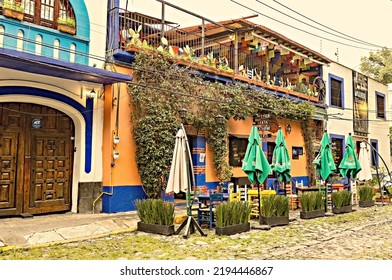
(361, 235)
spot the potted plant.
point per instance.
(341, 202)
(156, 216)
(67, 25)
(13, 9)
(365, 196)
(232, 218)
(312, 205)
(275, 210)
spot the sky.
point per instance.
(354, 27)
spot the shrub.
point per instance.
(233, 213)
(365, 193)
(155, 211)
(275, 206)
(341, 198)
(312, 201)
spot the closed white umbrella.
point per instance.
(179, 177)
(365, 174)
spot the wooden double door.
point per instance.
(36, 159)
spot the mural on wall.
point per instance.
(360, 90)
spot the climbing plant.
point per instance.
(161, 87)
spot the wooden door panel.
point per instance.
(8, 159)
(50, 176)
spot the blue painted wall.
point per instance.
(80, 40)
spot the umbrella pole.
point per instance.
(190, 223)
(326, 195)
(259, 202)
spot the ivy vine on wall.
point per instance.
(161, 87)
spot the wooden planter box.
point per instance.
(13, 14)
(343, 209)
(275, 221)
(312, 214)
(386, 199)
(158, 229)
(66, 29)
(368, 203)
(234, 229)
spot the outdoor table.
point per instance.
(205, 197)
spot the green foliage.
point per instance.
(365, 193)
(13, 5)
(341, 198)
(155, 211)
(163, 88)
(68, 21)
(232, 213)
(378, 65)
(312, 201)
(275, 206)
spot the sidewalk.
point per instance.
(57, 228)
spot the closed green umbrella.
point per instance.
(281, 164)
(255, 164)
(325, 165)
(349, 166)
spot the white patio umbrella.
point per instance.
(179, 176)
(365, 174)
(182, 178)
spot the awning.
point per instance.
(36, 64)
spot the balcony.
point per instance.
(235, 49)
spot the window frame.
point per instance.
(340, 138)
(380, 95)
(341, 80)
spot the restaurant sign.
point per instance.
(360, 92)
(265, 122)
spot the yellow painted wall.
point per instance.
(124, 171)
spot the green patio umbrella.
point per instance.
(325, 165)
(349, 166)
(255, 164)
(281, 164)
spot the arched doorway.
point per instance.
(36, 159)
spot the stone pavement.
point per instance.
(57, 228)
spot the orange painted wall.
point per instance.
(295, 138)
(124, 171)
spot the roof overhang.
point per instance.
(36, 64)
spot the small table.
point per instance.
(205, 197)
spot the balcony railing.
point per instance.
(142, 31)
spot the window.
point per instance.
(336, 92)
(374, 152)
(237, 150)
(380, 105)
(337, 147)
(45, 12)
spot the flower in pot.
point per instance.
(156, 216)
(312, 205)
(365, 196)
(13, 9)
(341, 202)
(232, 217)
(67, 25)
(275, 210)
